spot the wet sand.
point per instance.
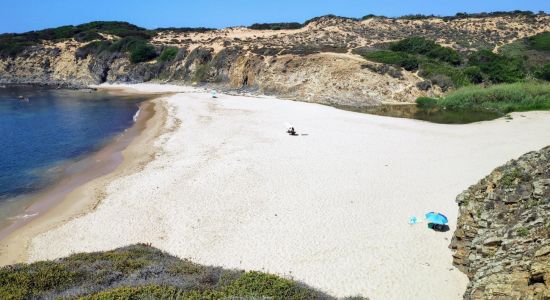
(81, 187)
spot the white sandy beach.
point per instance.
(330, 207)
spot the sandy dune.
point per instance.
(329, 207)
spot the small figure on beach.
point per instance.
(291, 131)
(214, 94)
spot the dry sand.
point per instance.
(329, 207)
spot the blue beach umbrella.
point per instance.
(436, 218)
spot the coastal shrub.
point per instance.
(443, 75)
(415, 45)
(426, 102)
(141, 272)
(168, 54)
(94, 48)
(202, 73)
(185, 29)
(429, 48)
(139, 49)
(12, 44)
(275, 26)
(139, 292)
(498, 68)
(256, 284)
(142, 52)
(540, 41)
(503, 98)
(29, 281)
(371, 16)
(544, 72)
(329, 16)
(401, 59)
(473, 74)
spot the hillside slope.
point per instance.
(316, 62)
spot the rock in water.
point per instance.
(502, 240)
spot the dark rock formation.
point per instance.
(502, 240)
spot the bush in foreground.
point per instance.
(141, 272)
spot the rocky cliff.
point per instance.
(502, 240)
(317, 62)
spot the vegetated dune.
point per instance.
(317, 62)
(141, 272)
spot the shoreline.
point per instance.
(79, 193)
(231, 189)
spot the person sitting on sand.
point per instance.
(291, 131)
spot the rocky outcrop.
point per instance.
(502, 240)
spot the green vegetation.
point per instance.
(139, 292)
(404, 60)
(510, 177)
(422, 46)
(141, 272)
(501, 98)
(202, 73)
(141, 52)
(543, 73)
(540, 41)
(275, 26)
(446, 68)
(522, 231)
(132, 40)
(426, 102)
(168, 54)
(13, 44)
(139, 49)
(438, 64)
(498, 68)
(185, 29)
(249, 285)
(29, 281)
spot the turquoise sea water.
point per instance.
(41, 128)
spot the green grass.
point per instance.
(503, 98)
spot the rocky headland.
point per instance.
(502, 240)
